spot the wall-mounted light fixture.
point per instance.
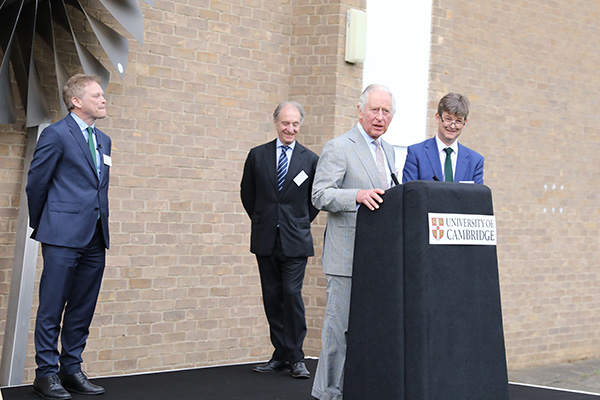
(356, 36)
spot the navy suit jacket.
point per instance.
(423, 163)
(63, 189)
(291, 207)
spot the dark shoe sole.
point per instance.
(267, 371)
(50, 398)
(81, 392)
(301, 376)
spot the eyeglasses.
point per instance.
(447, 121)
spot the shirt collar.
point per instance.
(82, 125)
(441, 145)
(368, 138)
(291, 146)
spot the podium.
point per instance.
(425, 319)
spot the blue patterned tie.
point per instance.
(282, 166)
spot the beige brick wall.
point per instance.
(181, 288)
(12, 151)
(329, 88)
(531, 72)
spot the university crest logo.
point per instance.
(437, 227)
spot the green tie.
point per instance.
(93, 150)
(91, 145)
(448, 166)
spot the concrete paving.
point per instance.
(581, 376)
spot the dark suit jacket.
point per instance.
(63, 189)
(267, 206)
(423, 162)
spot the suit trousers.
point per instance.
(329, 378)
(281, 280)
(69, 285)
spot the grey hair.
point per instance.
(281, 106)
(364, 97)
(454, 103)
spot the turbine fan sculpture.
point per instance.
(21, 20)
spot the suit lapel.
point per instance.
(434, 158)
(270, 152)
(83, 145)
(390, 155)
(103, 148)
(363, 153)
(461, 163)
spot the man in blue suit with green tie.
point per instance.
(442, 157)
(67, 192)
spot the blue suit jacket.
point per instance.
(423, 163)
(63, 189)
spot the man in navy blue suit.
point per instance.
(67, 191)
(442, 157)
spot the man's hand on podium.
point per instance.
(370, 198)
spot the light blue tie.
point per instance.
(282, 166)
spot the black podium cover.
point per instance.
(425, 320)
(375, 353)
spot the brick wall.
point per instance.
(531, 73)
(329, 88)
(12, 151)
(181, 288)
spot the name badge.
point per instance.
(107, 160)
(300, 178)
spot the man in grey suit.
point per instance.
(354, 169)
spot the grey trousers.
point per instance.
(329, 378)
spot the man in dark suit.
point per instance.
(275, 192)
(67, 191)
(442, 157)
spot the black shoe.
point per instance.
(79, 383)
(272, 365)
(299, 370)
(49, 387)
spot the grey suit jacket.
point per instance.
(346, 166)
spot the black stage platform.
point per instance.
(239, 382)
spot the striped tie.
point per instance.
(282, 166)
